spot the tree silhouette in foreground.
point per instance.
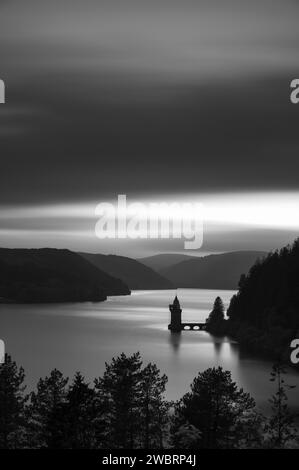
(46, 412)
(154, 409)
(79, 414)
(214, 408)
(132, 410)
(12, 405)
(280, 428)
(119, 394)
(126, 409)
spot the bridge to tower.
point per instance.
(176, 319)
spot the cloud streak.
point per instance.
(144, 98)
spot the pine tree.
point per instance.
(215, 406)
(46, 412)
(12, 403)
(280, 427)
(118, 403)
(216, 322)
(217, 314)
(80, 414)
(154, 408)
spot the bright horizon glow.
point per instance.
(277, 210)
(260, 221)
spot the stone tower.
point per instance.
(176, 314)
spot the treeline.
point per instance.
(264, 314)
(126, 409)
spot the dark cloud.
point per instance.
(146, 97)
(78, 141)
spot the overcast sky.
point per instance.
(150, 99)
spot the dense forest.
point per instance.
(264, 314)
(126, 408)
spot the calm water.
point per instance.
(82, 337)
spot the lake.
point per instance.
(82, 336)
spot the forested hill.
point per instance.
(136, 275)
(52, 275)
(220, 271)
(264, 313)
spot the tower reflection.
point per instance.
(175, 340)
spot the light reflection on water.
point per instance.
(82, 337)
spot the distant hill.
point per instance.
(221, 271)
(163, 261)
(264, 314)
(132, 272)
(51, 275)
